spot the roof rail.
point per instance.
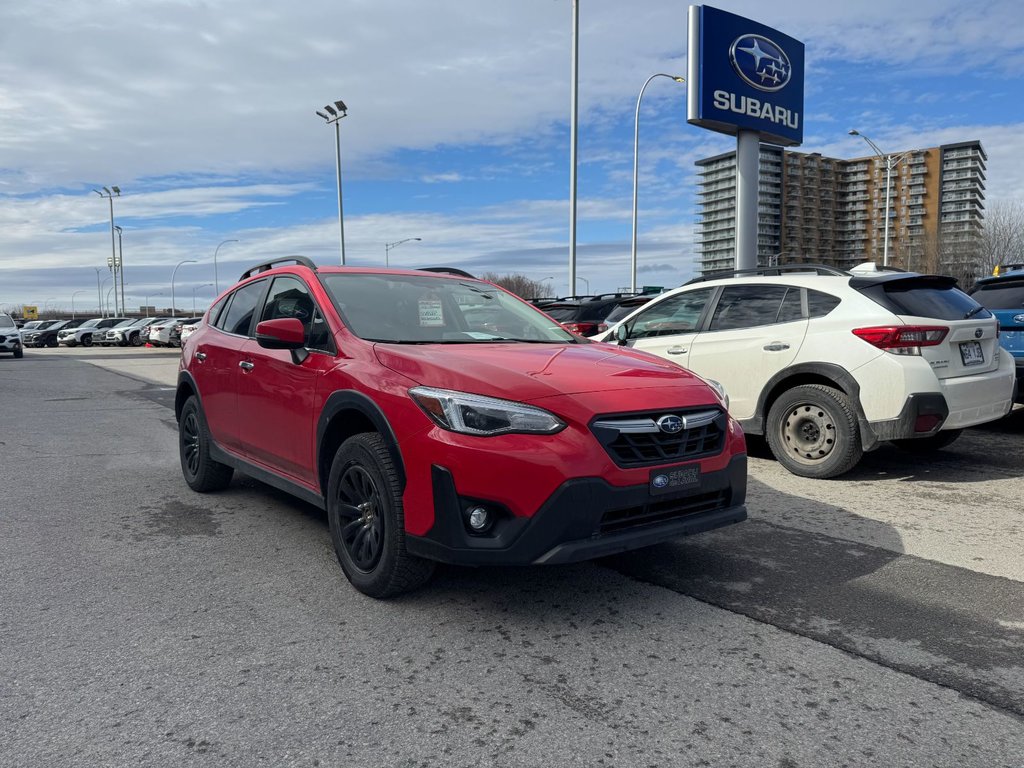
(778, 269)
(301, 260)
(447, 271)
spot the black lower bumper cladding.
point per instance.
(583, 519)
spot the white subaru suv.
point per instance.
(10, 336)
(827, 364)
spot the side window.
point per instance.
(216, 310)
(747, 306)
(289, 297)
(790, 311)
(820, 304)
(676, 314)
(237, 316)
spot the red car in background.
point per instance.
(437, 417)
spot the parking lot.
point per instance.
(874, 619)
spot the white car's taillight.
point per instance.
(902, 339)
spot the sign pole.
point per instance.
(748, 146)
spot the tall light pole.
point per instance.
(104, 307)
(113, 287)
(574, 114)
(174, 311)
(388, 247)
(586, 282)
(158, 293)
(636, 163)
(194, 289)
(333, 114)
(216, 280)
(891, 161)
(99, 295)
(110, 194)
(119, 268)
(73, 294)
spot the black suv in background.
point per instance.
(583, 314)
(47, 337)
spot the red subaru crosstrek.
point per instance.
(432, 430)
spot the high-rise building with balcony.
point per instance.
(828, 210)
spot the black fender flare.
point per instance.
(829, 371)
(351, 400)
(185, 378)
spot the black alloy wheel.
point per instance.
(87, 340)
(201, 472)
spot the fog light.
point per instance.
(479, 519)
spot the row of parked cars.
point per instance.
(107, 331)
(466, 426)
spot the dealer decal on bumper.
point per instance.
(673, 480)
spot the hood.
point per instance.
(525, 372)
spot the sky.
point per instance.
(203, 113)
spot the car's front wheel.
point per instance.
(928, 444)
(201, 472)
(367, 522)
(812, 430)
(136, 340)
(19, 352)
(87, 340)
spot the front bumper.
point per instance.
(584, 518)
(10, 343)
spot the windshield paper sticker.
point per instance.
(431, 314)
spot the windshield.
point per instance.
(7, 322)
(126, 323)
(91, 323)
(415, 309)
(1008, 295)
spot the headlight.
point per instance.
(717, 386)
(485, 416)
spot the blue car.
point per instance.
(1003, 295)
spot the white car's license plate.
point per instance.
(970, 353)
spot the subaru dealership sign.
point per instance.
(744, 76)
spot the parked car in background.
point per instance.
(1003, 295)
(88, 332)
(427, 437)
(46, 337)
(584, 314)
(160, 334)
(187, 330)
(128, 333)
(10, 336)
(827, 364)
(175, 333)
(106, 339)
(146, 331)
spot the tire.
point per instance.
(367, 522)
(19, 353)
(136, 340)
(201, 472)
(52, 343)
(87, 340)
(928, 444)
(812, 430)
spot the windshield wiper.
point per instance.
(973, 312)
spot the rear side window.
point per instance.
(676, 314)
(237, 317)
(562, 314)
(1008, 295)
(820, 304)
(936, 298)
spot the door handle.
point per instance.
(676, 350)
(775, 346)
(245, 365)
(201, 356)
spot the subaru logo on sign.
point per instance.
(660, 481)
(670, 424)
(978, 333)
(760, 62)
(1018, 318)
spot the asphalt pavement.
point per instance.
(874, 620)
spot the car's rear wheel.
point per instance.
(87, 340)
(201, 472)
(367, 521)
(812, 430)
(52, 343)
(928, 444)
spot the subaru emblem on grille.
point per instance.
(671, 424)
(660, 481)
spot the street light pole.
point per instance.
(158, 293)
(99, 295)
(104, 308)
(110, 194)
(388, 247)
(174, 311)
(636, 158)
(119, 267)
(113, 287)
(73, 294)
(216, 280)
(891, 161)
(194, 289)
(586, 282)
(333, 114)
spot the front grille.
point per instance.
(656, 511)
(636, 440)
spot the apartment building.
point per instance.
(813, 208)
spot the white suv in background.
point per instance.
(10, 336)
(827, 364)
(88, 332)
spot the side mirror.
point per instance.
(284, 333)
(621, 333)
